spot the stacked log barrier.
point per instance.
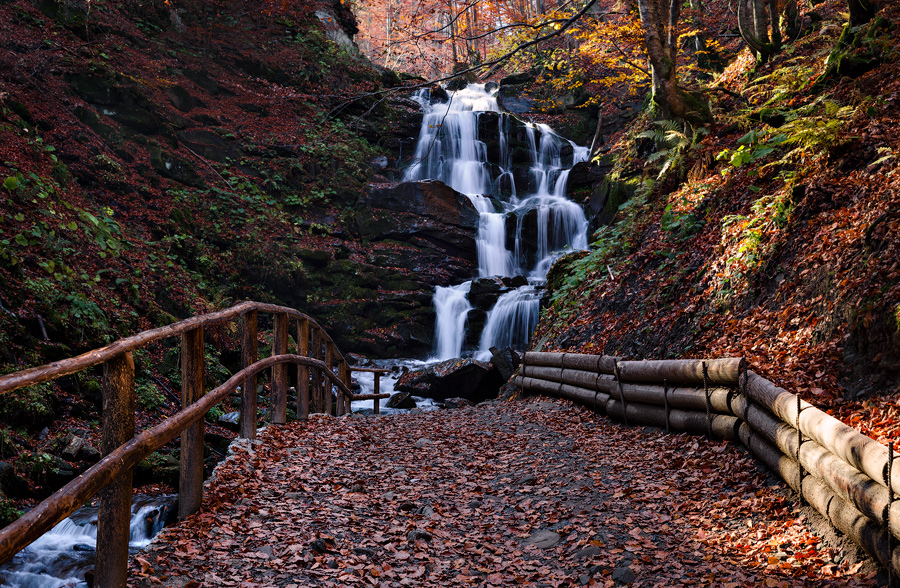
(122, 449)
(837, 470)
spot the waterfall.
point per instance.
(511, 321)
(452, 308)
(61, 556)
(449, 149)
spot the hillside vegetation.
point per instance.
(770, 234)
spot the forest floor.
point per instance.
(533, 493)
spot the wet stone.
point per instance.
(543, 539)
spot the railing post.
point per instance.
(338, 394)
(316, 353)
(302, 370)
(114, 516)
(345, 378)
(249, 356)
(278, 400)
(377, 390)
(190, 478)
(329, 359)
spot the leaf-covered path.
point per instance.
(533, 493)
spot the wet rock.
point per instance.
(416, 534)
(623, 574)
(484, 292)
(209, 145)
(423, 442)
(457, 403)
(175, 168)
(525, 77)
(229, 420)
(506, 361)
(267, 551)
(464, 378)
(587, 552)
(408, 506)
(430, 198)
(181, 98)
(401, 400)
(363, 551)
(73, 447)
(514, 98)
(543, 539)
(585, 174)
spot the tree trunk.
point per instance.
(658, 20)
(861, 11)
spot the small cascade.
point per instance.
(546, 223)
(63, 555)
(452, 307)
(511, 321)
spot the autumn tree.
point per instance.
(659, 21)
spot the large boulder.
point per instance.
(430, 198)
(465, 378)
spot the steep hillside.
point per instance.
(772, 234)
(159, 160)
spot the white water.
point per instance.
(452, 307)
(449, 150)
(61, 556)
(366, 381)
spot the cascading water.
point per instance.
(452, 307)
(62, 556)
(449, 149)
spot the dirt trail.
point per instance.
(533, 493)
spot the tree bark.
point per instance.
(659, 19)
(861, 11)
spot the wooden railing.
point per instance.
(323, 376)
(849, 478)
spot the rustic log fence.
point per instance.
(846, 476)
(323, 376)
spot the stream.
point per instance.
(63, 555)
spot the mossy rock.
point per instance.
(314, 257)
(175, 168)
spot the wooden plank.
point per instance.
(114, 516)
(278, 398)
(249, 356)
(302, 370)
(190, 474)
(37, 521)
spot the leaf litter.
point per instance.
(531, 493)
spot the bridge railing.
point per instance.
(323, 378)
(851, 479)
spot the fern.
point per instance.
(672, 141)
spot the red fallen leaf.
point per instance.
(402, 555)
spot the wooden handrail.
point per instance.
(48, 513)
(65, 367)
(122, 449)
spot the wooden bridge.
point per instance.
(848, 477)
(323, 377)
